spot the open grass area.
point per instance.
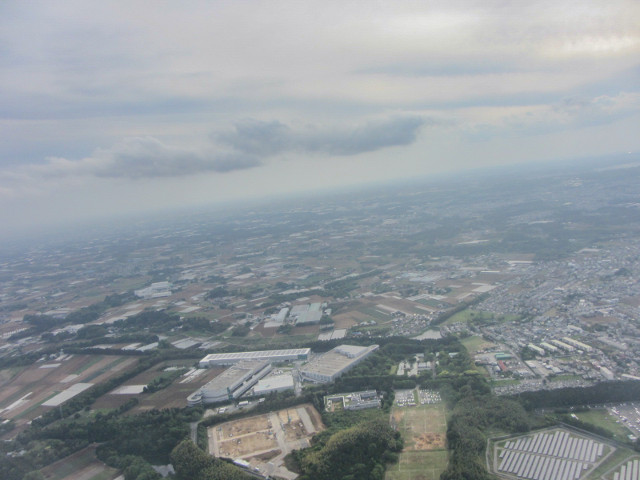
(476, 316)
(505, 382)
(475, 343)
(419, 466)
(375, 313)
(430, 302)
(602, 418)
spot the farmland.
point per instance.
(172, 396)
(23, 393)
(81, 465)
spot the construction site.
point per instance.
(262, 441)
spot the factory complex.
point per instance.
(231, 383)
(248, 373)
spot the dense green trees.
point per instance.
(605, 392)
(217, 292)
(191, 463)
(475, 412)
(356, 453)
(241, 330)
(160, 321)
(202, 324)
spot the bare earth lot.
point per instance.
(424, 430)
(264, 440)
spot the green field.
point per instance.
(375, 313)
(419, 466)
(424, 430)
(603, 419)
(474, 343)
(470, 315)
(429, 302)
(506, 381)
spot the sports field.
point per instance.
(424, 430)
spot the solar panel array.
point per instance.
(628, 471)
(550, 456)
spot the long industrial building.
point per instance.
(335, 362)
(231, 383)
(272, 356)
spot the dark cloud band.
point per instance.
(269, 138)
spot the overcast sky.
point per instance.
(109, 107)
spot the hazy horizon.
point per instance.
(115, 108)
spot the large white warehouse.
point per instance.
(272, 356)
(335, 362)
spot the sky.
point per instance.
(118, 107)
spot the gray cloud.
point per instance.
(268, 138)
(148, 157)
(145, 157)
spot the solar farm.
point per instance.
(557, 454)
(629, 470)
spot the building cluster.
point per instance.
(571, 314)
(250, 373)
